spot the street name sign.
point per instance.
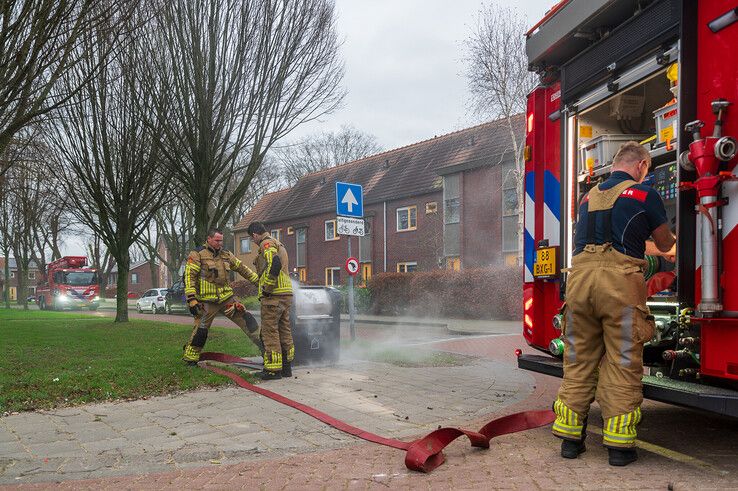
(349, 200)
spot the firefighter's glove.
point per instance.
(195, 307)
(235, 307)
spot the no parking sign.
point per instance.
(352, 266)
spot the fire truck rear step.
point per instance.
(688, 394)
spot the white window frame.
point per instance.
(31, 275)
(332, 282)
(248, 245)
(276, 234)
(134, 278)
(405, 264)
(397, 218)
(325, 231)
(509, 184)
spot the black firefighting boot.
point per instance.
(621, 456)
(287, 369)
(570, 449)
(287, 357)
(267, 375)
(191, 354)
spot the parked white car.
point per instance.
(152, 301)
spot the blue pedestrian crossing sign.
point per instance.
(349, 200)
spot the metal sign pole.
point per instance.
(352, 330)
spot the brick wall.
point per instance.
(424, 245)
(481, 200)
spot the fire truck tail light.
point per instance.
(530, 122)
(527, 308)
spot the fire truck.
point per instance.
(663, 73)
(69, 284)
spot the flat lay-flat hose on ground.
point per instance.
(424, 454)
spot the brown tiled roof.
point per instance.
(406, 171)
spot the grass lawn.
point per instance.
(53, 359)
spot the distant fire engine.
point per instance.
(69, 284)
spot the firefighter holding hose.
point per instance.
(275, 294)
(605, 318)
(208, 293)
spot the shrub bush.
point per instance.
(362, 299)
(243, 288)
(487, 293)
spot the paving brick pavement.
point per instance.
(232, 425)
(522, 461)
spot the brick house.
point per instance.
(139, 279)
(439, 203)
(34, 275)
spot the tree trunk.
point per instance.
(6, 287)
(154, 273)
(121, 307)
(22, 293)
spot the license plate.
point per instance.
(545, 265)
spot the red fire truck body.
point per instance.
(654, 72)
(69, 284)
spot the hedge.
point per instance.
(489, 293)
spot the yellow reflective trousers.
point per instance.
(605, 324)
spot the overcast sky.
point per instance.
(404, 69)
(404, 66)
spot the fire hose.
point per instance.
(424, 454)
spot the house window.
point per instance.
(451, 215)
(366, 273)
(245, 245)
(365, 242)
(510, 208)
(301, 239)
(290, 231)
(407, 218)
(407, 267)
(330, 230)
(276, 234)
(134, 278)
(31, 275)
(332, 276)
(12, 274)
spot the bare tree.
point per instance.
(100, 260)
(26, 200)
(6, 235)
(40, 45)
(109, 157)
(324, 150)
(233, 77)
(499, 80)
(174, 230)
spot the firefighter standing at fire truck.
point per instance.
(275, 295)
(208, 293)
(606, 319)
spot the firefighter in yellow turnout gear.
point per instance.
(208, 293)
(606, 319)
(275, 295)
